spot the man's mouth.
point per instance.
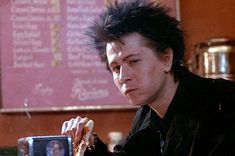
(128, 91)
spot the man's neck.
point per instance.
(160, 106)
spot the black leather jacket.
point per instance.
(203, 124)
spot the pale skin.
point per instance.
(142, 76)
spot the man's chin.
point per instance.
(134, 103)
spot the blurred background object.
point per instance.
(214, 58)
(114, 138)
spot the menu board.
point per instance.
(46, 62)
(45, 58)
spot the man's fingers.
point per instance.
(69, 127)
(64, 127)
(79, 130)
(74, 128)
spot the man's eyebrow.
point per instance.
(129, 56)
(124, 59)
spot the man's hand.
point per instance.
(80, 129)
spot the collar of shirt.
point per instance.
(163, 124)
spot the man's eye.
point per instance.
(115, 69)
(133, 61)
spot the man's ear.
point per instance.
(167, 59)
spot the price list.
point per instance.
(45, 56)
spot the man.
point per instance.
(180, 114)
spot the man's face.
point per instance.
(137, 71)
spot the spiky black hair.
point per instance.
(151, 20)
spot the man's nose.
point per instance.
(125, 74)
